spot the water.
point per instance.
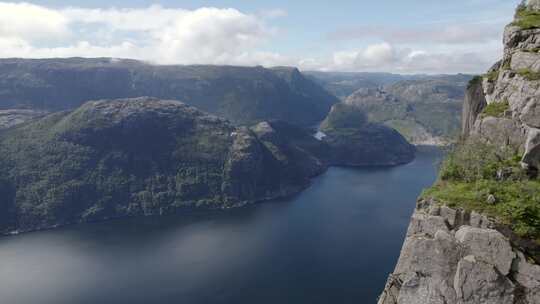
(334, 243)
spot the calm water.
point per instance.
(334, 243)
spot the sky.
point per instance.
(399, 36)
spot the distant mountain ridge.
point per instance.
(243, 95)
(425, 109)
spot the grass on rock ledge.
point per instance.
(492, 76)
(529, 74)
(474, 171)
(496, 109)
(527, 19)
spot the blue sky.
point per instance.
(415, 36)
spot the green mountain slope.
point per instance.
(244, 95)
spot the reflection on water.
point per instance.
(334, 243)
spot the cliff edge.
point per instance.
(475, 235)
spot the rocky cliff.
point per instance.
(456, 256)
(243, 95)
(475, 236)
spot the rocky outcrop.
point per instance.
(451, 256)
(512, 81)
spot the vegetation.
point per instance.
(354, 141)
(492, 76)
(529, 74)
(507, 65)
(527, 19)
(140, 157)
(474, 170)
(243, 95)
(476, 80)
(344, 116)
(534, 50)
(496, 109)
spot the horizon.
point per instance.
(439, 38)
(112, 59)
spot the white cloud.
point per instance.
(209, 35)
(28, 21)
(157, 34)
(472, 32)
(386, 57)
(229, 36)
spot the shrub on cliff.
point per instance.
(475, 170)
(527, 19)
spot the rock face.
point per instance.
(533, 4)
(452, 256)
(473, 105)
(512, 81)
(144, 156)
(243, 95)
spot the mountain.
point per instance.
(10, 118)
(426, 111)
(475, 235)
(343, 84)
(147, 156)
(142, 156)
(243, 95)
(355, 141)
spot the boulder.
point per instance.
(501, 132)
(533, 4)
(426, 224)
(528, 276)
(477, 281)
(525, 60)
(532, 149)
(425, 268)
(489, 245)
(478, 220)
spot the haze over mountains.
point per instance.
(426, 109)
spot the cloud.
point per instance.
(157, 34)
(28, 21)
(229, 36)
(386, 57)
(435, 34)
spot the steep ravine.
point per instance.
(454, 254)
